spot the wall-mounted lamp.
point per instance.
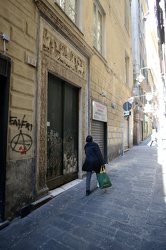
(113, 105)
(145, 16)
(140, 78)
(103, 94)
(5, 39)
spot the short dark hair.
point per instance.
(89, 138)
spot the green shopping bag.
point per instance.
(103, 179)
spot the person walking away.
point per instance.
(153, 136)
(93, 160)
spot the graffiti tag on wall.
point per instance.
(21, 142)
(20, 123)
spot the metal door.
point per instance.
(98, 134)
(62, 132)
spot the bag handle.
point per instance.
(102, 169)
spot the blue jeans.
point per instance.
(88, 179)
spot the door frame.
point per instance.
(75, 74)
(5, 68)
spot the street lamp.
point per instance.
(140, 78)
(148, 96)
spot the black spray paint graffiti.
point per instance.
(21, 143)
(20, 123)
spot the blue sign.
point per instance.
(127, 106)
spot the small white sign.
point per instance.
(31, 61)
(126, 113)
(48, 124)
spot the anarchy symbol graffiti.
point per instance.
(21, 143)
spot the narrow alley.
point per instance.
(129, 215)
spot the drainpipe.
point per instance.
(89, 96)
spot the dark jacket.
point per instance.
(94, 159)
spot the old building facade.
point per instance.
(65, 74)
(142, 123)
(160, 7)
(147, 70)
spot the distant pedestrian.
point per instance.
(153, 137)
(93, 160)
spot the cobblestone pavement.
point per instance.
(129, 215)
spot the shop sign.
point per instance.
(99, 111)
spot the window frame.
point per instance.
(127, 14)
(66, 9)
(127, 61)
(98, 14)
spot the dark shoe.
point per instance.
(87, 192)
